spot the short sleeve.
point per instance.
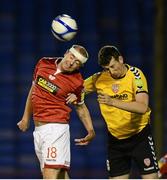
(139, 82)
(89, 83)
(36, 69)
(80, 95)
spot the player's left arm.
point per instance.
(141, 98)
(89, 86)
(71, 99)
(85, 118)
(139, 105)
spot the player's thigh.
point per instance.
(53, 146)
(118, 163)
(56, 147)
(125, 176)
(145, 156)
(150, 176)
(49, 173)
(37, 146)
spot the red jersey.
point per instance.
(50, 91)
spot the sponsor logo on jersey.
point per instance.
(115, 88)
(46, 84)
(139, 84)
(120, 96)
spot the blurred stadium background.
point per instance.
(137, 27)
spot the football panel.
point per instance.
(58, 27)
(69, 36)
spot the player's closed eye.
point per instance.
(76, 62)
(106, 69)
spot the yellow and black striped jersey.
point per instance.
(122, 124)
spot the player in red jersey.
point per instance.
(163, 167)
(54, 79)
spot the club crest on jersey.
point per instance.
(147, 161)
(115, 88)
(51, 77)
(42, 82)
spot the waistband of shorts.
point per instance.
(142, 134)
(42, 126)
(40, 123)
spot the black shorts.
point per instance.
(139, 148)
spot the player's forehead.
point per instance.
(76, 51)
(77, 61)
(112, 62)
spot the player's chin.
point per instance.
(115, 76)
(69, 70)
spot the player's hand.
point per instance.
(23, 125)
(105, 99)
(86, 140)
(71, 99)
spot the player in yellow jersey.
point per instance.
(123, 99)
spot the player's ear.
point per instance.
(121, 60)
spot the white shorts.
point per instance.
(52, 145)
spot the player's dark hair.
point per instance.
(106, 53)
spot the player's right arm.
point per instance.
(89, 86)
(140, 102)
(86, 120)
(23, 124)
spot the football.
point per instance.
(64, 27)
